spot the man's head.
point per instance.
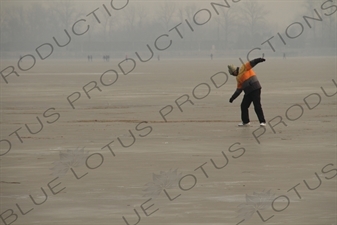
(233, 70)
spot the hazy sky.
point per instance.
(282, 12)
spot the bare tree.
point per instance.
(310, 7)
(331, 25)
(252, 15)
(320, 21)
(64, 11)
(130, 17)
(135, 16)
(37, 28)
(107, 22)
(4, 16)
(226, 20)
(182, 15)
(15, 20)
(190, 10)
(142, 14)
(166, 13)
(113, 23)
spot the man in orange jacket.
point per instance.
(248, 82)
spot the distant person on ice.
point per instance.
(248, 82)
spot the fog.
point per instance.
(76, 29)
(98, 142)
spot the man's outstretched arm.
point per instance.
(256, 61)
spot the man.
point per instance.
(248, 82)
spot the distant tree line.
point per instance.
(24, 26)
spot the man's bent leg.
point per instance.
(246, 101)
(257, 105)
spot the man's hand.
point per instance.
(231, 100)
(262, 59)
(254, 62)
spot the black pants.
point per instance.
(255, 97)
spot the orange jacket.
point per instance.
(246, 73)
(246, 79)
